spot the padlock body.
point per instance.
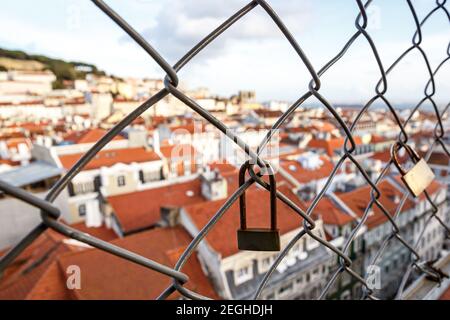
(418, 178)
(258, 239)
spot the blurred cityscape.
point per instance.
(154, 187)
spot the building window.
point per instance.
(82, 210)
(187, 167)
(346, 295)
(97, 183)
(296, 249)
(264, 264)
(243, 274)
(335, 231)
(83, 187)
(270, 296)
(121, 181)
(71, 189)
(286, 289)
(149, 176)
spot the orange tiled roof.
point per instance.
(106, 276)
(32, 266)
(445, 295)
(194, 127)
(31, 126)
(299, 129)
(102, 232)
(108, 158)
(12, 134)
(432, 188)
(88, 136)
(358, 199)
(75, 101)
(141, 209)
(331, 214)
(178, 151)
(264, 113)
(14, 142)
(385, 156)
(50, 286)
(9, 162)
(330, 145)
(324, 126)
(302, 175)
(439, 158)
(223, 167)
(377, 139)
(222, 236)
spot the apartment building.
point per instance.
(17, 217)
(236, 274)
(341, 212)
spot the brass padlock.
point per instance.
(419, 177)
(258, 239)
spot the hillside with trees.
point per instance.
(64, 71)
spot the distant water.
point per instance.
(426, 106)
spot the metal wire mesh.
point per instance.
(50, 213)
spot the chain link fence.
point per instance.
(50, 213)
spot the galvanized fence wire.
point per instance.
(50, 214)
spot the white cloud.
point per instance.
(181, 24)
(252, 54)
(97, 46)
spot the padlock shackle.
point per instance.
(411, 152)
(273, 196)
(273, 201)
(242, 206)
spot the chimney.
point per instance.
(156, 141)
(101, 105)
(137, 138)
(310, 161)
(306, 193)
(170, 216)
(214, 186)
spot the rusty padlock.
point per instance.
(419, 177)
(258, 239)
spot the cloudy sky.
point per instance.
(251, 55)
